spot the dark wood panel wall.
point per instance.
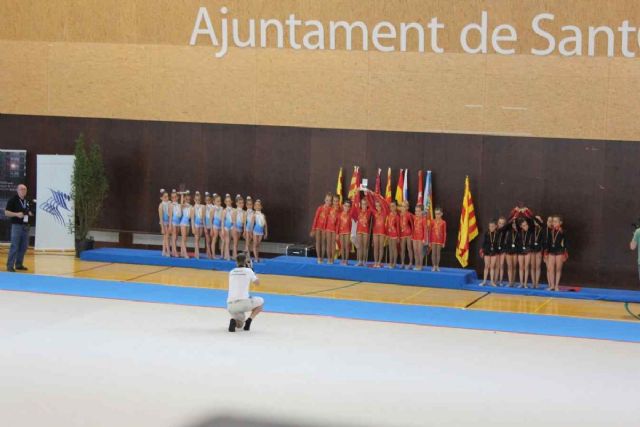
(593, 184)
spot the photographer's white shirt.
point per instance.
(240, 280)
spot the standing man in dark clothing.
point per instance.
(19, 210)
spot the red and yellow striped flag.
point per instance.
(399, 188)
(353, 185)
(339, 186)
(387, 193)
(468, 228)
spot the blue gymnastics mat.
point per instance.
(454, 278)
(385, 312)
(449, 278)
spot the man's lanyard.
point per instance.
(23, 203)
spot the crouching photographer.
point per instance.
(239, 302)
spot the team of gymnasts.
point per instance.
(221, 226)
(408, 236)
(521, 242)
(524, 242)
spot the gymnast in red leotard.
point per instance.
(330, 229)
(406, 230)
(437, 239)
(344, 231)
(362, 230)
(419, 236)
(379, 235)
(319, 224)
(392, 229)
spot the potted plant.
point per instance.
(89, 188)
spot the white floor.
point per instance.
(67, 361)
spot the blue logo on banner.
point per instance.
(56, 205)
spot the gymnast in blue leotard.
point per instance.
(248, 230)
(185, 223)
(227, 216)
(197, 223)
(260, 230)
(238, 224)
(208, 222)
(216, 229)
(163, 215)
(175, 212)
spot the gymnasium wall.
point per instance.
(131, 59)
(592, 183)
(556, 132)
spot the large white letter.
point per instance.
(378, 34)
(496, 38)
(333, 25)
(404, 28)
(252, 34)
(318, 33)
(434, 26)
(482, 28)
(292, 22)
(539, 31)
(203, 15)
(225, 34)
(264, 26)
(576, 39)
(593, 32)
(625, 29)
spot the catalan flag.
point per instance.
(339, 186)
(353, 185)
(399, 188)
(468, 228)
(388, 196)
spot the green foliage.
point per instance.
(89, 187)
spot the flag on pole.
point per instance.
(428, 198)
(420, 189)
(378, 183)
(405, 185)
(468, 228)
(339, 186)
(352, 183)
(387, 194)
(399, 198)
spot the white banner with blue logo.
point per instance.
(54, 205)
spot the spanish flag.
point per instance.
(339, 186)
(353, 184)
(399, 188)
(468, 228)
(387, 193)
